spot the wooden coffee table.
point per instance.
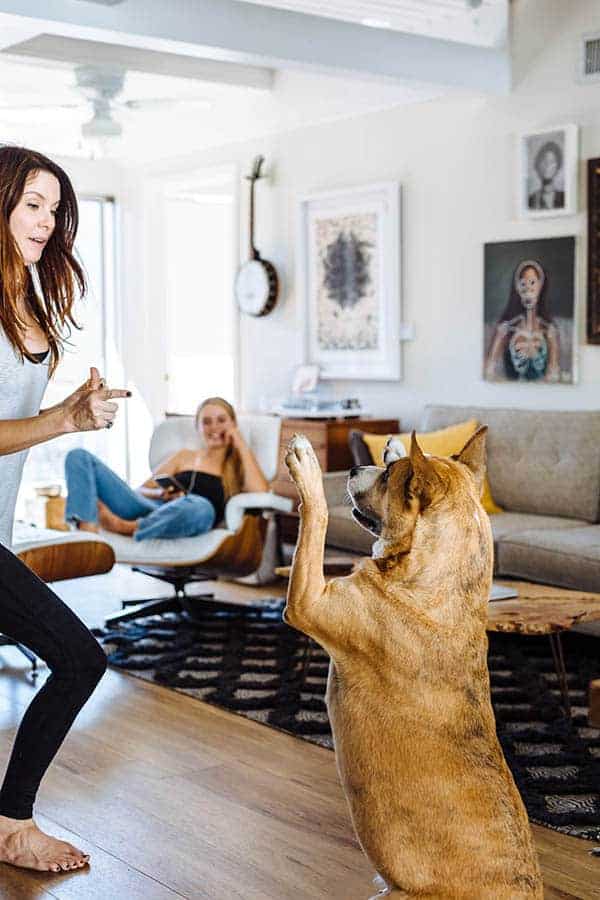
(544, 609)
(540, 609)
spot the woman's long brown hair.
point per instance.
(233, 470)
(58, 271)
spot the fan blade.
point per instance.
(163, 102)
(25, 106)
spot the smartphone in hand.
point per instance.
(167, 482)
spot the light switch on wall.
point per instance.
(407, 331)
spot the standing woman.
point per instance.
(38, 224)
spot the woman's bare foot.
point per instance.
(23, 844)
(111, 522)
(88, 526)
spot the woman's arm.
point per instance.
(254, 480)
(170, 466)
(87, 409)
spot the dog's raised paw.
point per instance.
(299, 442)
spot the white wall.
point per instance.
(457, 165)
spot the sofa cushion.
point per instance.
(444, 442)
(567, 557)
(360, 453)
(345, 533)
(506, 524)
(539, 461)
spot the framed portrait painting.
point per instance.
(529, 311)
(548, 172)
(349, 281)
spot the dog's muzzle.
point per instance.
(361, 481)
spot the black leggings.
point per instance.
(33, 615)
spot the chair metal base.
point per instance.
(155, 606)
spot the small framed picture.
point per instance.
(548, 172)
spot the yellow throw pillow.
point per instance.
(445, 442)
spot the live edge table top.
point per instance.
(539, 608)
(542, 609)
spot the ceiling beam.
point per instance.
(251, 34)
(82, 52)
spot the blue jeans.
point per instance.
(89, 480)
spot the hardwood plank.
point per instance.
(92, 882)
(175, 798)
(567, 865)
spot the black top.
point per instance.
(41, 357)
(204, 485)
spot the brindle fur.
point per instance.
(432, 800)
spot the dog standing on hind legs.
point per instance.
(432, 800)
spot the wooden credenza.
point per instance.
(329, 438)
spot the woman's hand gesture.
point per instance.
(89, 408)
(234, 438)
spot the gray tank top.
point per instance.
(22, 386)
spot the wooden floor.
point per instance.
(173, 798)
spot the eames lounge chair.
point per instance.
(236, 547)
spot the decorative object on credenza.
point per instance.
(305, 380)
(529, 311)
(349, 281)
(548, 172)
(256, 283)
(593, 281)
(308, 401)
(318, 406)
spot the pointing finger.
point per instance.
(109, 394)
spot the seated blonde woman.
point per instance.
(201, 482)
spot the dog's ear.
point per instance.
(474, 456)
(425, 482)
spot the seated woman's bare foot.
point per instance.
(110, 521)
(23, 844)
(88, 526)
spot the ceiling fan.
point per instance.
(100, 87)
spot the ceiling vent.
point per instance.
(103, 2)
(590, 57)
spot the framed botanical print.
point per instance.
(349, 281)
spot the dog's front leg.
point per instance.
(307, 583)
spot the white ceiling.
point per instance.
(260, 69)
(452, 20)
(234, 113)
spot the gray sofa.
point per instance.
(544, 471)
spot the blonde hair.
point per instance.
(233, 469)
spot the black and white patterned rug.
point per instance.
(247, 660)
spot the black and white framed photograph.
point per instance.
(529, 311)
(349, 281)
(548, 172)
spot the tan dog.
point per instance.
(432, 800)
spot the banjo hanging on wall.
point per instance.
(256, 283)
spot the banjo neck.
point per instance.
(253, 178)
